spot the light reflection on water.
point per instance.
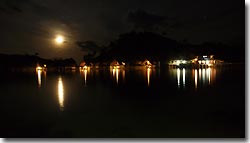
(123, 75)
(205, 76)
(199, 73)
(148, 75)
(39, 80)
(39, 77)
(84, 73)
(208, 75)
(145, 74)
(178, 78)
(116, 74)
(100, 99)
(179, 75)
(60, 93)
(195, 77)
(184, 78)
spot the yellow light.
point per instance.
(113, 71)
(183, 76)
(207, 62)
(117, 75)
(85, 67)
(148, 75)
(203, 75)
(45, 66)
(208, 74)
(195, 78)
(85, 76)
(178, 77)
(199, 73)
(59, 39)
(38, 68)
(39, 72)
(60, 93)
(178, 62)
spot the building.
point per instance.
(206, 61)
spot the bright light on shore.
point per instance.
(39, 68)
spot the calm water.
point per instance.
(135, 102)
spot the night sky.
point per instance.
(30, 26)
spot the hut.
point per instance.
(115, 64)
(147, 63)
(83, 65)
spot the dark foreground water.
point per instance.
(166, 102)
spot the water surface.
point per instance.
(132, 102)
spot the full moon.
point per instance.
(59, 39)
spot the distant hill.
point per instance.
(140, 45)
(136, 46)
(8, 62)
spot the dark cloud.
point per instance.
(145, 20)
(10, 6)
(16, 6)
(88, 46)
